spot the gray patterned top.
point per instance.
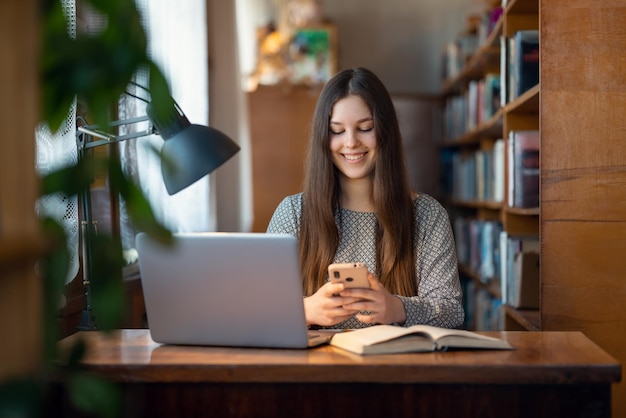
(439, 299)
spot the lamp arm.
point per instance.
(84, 142)
(109, 138)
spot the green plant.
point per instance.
(97, 69)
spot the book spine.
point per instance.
(504, 238)
(525, 169)
(504, 55)
(526, 61)
(510, 169)
(498, 170)
(522, 266)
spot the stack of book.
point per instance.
(519, 275)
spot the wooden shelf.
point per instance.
(522, 7)
(477, 204)
(489, 129)
(526, 103)
(522, 211)
(522, 319)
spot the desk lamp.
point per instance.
(189, 153)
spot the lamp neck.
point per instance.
(168, 119)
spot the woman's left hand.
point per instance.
(384, 307)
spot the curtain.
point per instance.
(55, 150)
(177, 38)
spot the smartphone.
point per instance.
(350, 274)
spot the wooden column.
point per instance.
(20, 293)
(583, 173)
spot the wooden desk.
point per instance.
(549, 374)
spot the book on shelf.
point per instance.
(452, 63)
(511, 52)
(472, 107)
(455, 113)
(488, 315)
(469, 303)
(490, 96)
(523, 169)
(488, 20)
(477, 105)
(472, 175)
(498, 170)
(483, 310)
(477, 246)
(519, 64)
(457, 52)
(526, 281)
(490, 250)
(526, 61)
(519, 275)
(504, 65)
(391, 339)
(464, 174)
(481, 173)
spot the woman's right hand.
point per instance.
(325, 307)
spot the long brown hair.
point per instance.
(319, 236)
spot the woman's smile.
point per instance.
(354, 158)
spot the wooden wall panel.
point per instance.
(583, 173)
(583, 155)
(417, 116)
(279, 128)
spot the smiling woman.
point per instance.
(353, 147)
(357, 207)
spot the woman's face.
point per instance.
(352, 138)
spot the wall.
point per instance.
(231, 182)
(400, 40)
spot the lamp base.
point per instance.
(87, 322)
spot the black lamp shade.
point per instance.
(192, 154)
(190, 151)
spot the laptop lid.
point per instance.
(226, 289)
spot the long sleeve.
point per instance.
(439, 300)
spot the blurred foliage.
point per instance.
(96, 68)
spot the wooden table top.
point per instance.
(538, 358)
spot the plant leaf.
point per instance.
(95, 396)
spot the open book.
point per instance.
(389, 339)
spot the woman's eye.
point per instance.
(336, 132)
(366, 129)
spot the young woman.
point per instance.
(357, 206)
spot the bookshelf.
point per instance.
(468, 153)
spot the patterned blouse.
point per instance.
(439, 298)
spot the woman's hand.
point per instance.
(384, 307)
(326, 307)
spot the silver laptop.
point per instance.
(225, 289)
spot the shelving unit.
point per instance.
(519, 114)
